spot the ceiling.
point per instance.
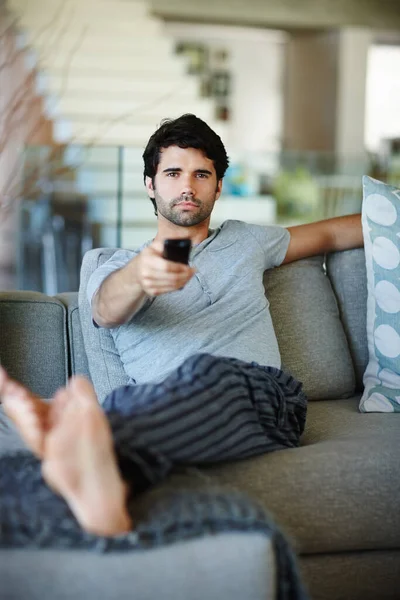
(284, 14)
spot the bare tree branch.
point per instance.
(39, 124)
(67, 66)
(8, 123)
(15, 54)
(24, 88)
(51, 48)
(12, 28)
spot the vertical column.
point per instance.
(325, 91)
(310, 91)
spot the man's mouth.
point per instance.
(188, 203)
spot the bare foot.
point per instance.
(29, 412)
(80, 464)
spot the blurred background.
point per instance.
(304, 93)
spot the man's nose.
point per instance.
(187, 186)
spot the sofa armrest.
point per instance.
(34, 345)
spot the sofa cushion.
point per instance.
(105, 366)
(310, 334)
(336, 493)
(346, 271)
(381, 230)
(352, 575)
(237, 566)
(10, 440)
(78, 359)
(34, 328)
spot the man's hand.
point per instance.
(156, 275)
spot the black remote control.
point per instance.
(177, 250)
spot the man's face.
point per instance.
(185, 186)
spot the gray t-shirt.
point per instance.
(222, 310)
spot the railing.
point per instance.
(77, 197)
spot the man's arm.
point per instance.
(123, 293)
(119, 297)
(338, 233)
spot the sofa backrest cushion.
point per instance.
(347, 273)
(304, 311)
(77, 353)
(307, 324)
(105, 367)
(33, 340)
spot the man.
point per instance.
(196, 340)
(151, 303)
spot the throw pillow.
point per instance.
(381, 231)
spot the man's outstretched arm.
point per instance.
(123, 293)
(338, 233)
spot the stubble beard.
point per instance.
(171, 212)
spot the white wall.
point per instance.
(354, 44)
(256, 61)
(382, 119)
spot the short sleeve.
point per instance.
(118, 260)
(274, 240)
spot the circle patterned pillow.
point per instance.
(381, 231)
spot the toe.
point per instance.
(3, 378)
(13, 390)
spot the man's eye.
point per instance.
(201, 175)
(172, 174)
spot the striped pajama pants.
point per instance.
(209, 410)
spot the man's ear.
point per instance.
(149, 186)
(219, 189)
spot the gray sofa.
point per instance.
(335, 496)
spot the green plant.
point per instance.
(296, 193)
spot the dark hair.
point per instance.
(187, 131)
